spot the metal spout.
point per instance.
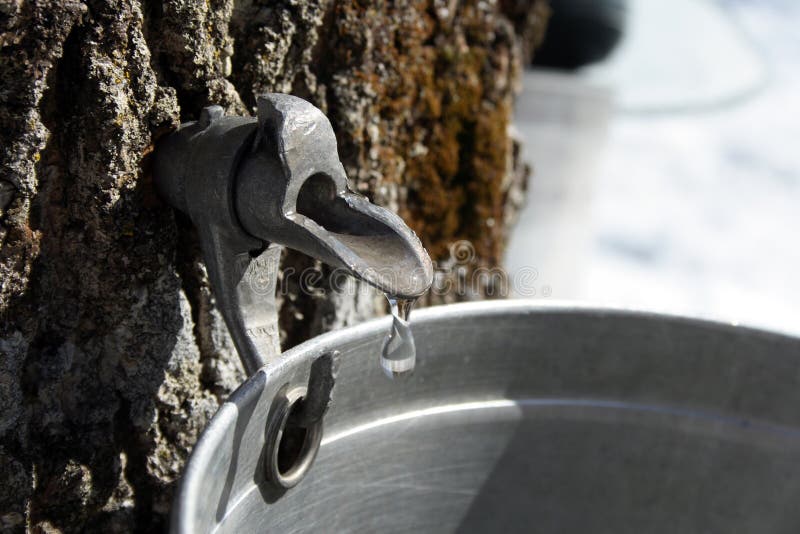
(306, 203)
(252, 186)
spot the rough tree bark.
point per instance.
(112, 355)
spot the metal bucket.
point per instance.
(521, 418)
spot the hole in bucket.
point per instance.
(293, 441)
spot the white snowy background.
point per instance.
(668, 177)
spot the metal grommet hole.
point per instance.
(292, 447)
(292, 441)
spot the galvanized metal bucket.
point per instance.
(519, 418)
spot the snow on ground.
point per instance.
(688, 202)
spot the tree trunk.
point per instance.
(113, 356)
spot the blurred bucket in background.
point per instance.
(562, 120)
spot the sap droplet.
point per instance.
(399, 353)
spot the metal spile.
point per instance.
(254, 185)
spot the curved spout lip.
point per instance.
(387, 254)
(293, 191)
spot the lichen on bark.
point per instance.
(112, 354)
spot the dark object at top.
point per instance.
(581, 32)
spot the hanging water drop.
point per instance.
(399, 353)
